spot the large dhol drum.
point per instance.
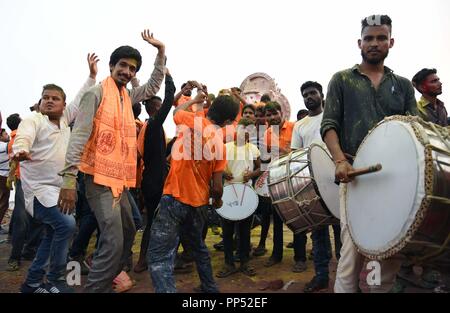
(302, 189)
(406, 206)
(239, 202)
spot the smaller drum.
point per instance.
(302, 189)
(239, 202)
(261, 185)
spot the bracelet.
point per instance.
(340, 161)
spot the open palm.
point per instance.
(147, 36)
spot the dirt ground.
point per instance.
(237, 283)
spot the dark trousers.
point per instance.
(299, 241)
(87, 223)
(264, 210)
(4, 197)
(243, 233)
(27, 232)
(151, 204)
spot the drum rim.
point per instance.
(256, 207)
(416, 123)
(316, 188)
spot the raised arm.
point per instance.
(161, 115)
(152, 86)
(199, 98)
(72, 109)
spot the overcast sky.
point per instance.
(218, 43)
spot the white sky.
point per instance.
(215, 42)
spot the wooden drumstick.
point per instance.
(362, 171)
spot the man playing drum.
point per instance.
(357, 99)
(278, 140)
(306, 132)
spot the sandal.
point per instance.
(226, 271)
(13, 266)
(248, 270)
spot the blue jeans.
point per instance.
(321, 251)
(137, 217)
(53, 249)
(27, 230)
(173, 220)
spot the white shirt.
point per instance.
(239, 160)
(47, 145)
(306, 132)
(4, 160)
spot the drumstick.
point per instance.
(235, 193)
(243, 193)
(362, 171)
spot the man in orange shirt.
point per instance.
(184, 95)
(278, 136)
(278, 140)
(197, 158)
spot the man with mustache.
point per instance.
(357, 99)
(430, 107)
(103, 146)
(306, 132)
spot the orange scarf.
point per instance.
(110, 155)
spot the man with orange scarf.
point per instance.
(103, 147)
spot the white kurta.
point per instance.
(47, 145)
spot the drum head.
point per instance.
(239, 202)
(323, 169)
(381, 207)
(261, 185)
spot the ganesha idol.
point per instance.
(256, 85)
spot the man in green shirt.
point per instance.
(429, 106)
(357, 99)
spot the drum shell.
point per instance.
(294, 194)
(433, 226)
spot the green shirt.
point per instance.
(353, 106)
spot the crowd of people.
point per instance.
(96, 158)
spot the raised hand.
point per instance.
(147, 36)
(92, 62)
(200, 97)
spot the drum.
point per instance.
(302, 189)
(404, 208)
(261, 186)
(239, 202)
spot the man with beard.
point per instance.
(357, 99)
(306, 132)
(429, 106)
